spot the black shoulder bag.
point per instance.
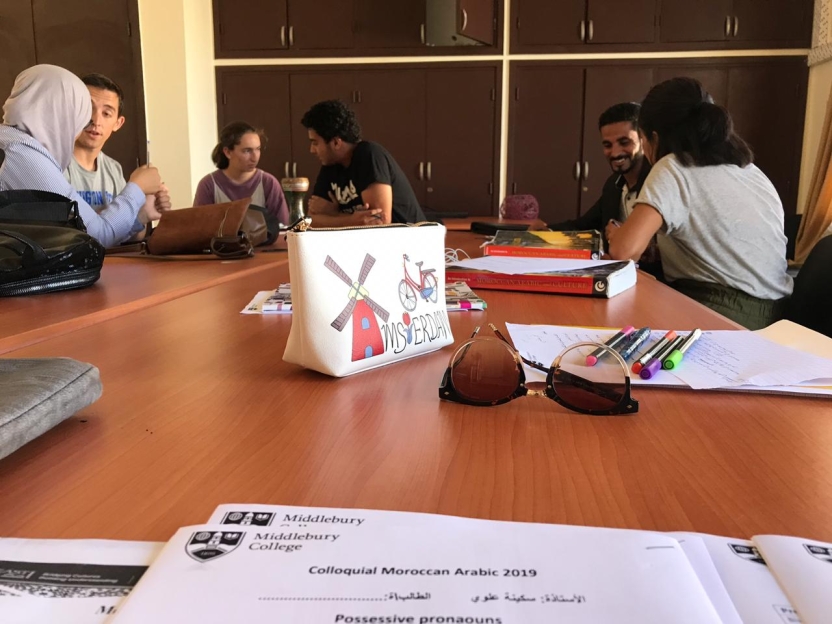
(44, 246)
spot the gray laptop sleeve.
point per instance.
(37, 394)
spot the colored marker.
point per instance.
(655, 365)
(652, 351)
(636, 340)
(612, 343)
(675, 357)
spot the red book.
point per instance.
(584, 244)
(606, 280)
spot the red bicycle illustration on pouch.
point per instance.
(408, 287)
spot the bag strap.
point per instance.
(34, 254)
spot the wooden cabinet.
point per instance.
(611, 21)
(461, 136)
(414, 111)
(775, 21)
(544, 23)
(385, 24)
(264, 28)
(320, 25)
(738, 23)
(554, 144)
(711, 21)
(555, 151)
(47, 31)
(267, 27)
(253, 26)
(476, 20)
(545, 137)
(609, 25)
(17, 42)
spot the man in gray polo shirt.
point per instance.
(97, 177)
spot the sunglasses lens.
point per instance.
(484, 371)
(600, 387)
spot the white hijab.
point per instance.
(52, 105)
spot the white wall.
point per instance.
(180, 101)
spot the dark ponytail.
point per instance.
(690, 126)
(230, 137)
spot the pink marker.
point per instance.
(612, 343)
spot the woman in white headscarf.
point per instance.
(47, 109)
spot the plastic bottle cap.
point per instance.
(672, 360)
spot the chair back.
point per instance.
(811, 302)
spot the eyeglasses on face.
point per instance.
(487, 371)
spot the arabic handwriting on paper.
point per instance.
(546, 598)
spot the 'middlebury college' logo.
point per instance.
(247, 518)
(819, 552)
(749, 553)
(208, 545)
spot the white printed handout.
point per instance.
(804, 569)
(749, 581)
(68, 581)
(521, 265)
(719, 359)
(703, 565)
(348, 566)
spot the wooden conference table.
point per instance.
(199, 409)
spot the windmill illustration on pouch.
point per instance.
(366, 335)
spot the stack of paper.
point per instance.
(730, 360)
(275, 563)
(278, 301)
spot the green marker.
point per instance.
(675, 358)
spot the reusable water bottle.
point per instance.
(295, 191)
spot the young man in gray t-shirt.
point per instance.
(97, 177)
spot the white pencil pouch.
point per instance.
(367, 296)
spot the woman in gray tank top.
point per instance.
(238, 177)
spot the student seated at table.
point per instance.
(360, 183)
(47, 109)
(618, 126)
(97, 177)
(236, 157)
(718, 217)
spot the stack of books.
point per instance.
(584, 244)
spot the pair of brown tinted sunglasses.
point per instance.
(488, 371)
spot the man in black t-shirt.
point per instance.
(360, 183)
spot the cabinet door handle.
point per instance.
(422, 34)
(291, 36)
(577, 173)
(586, 169)
(421, 170)
(514, 188)
(583, 30)
(430, 171)
(727, 25)
(294, 170)
(464, 20)
(358, 93)
(736, 25)
(282, 36)
(591, 31)
(286, 169)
